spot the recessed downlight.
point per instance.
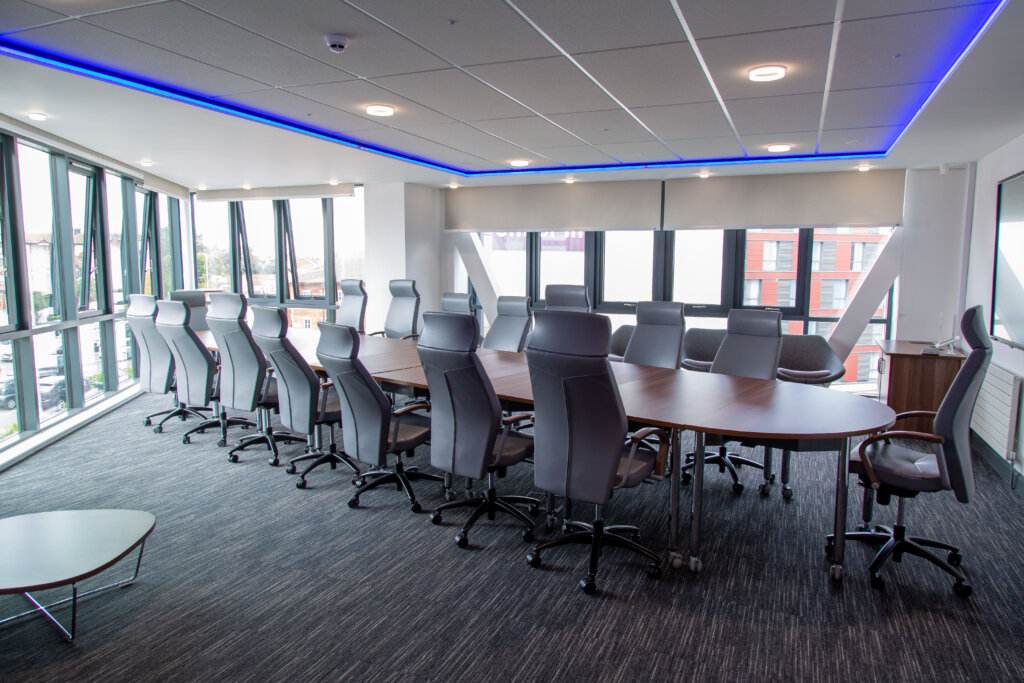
(380, 110)
(145, 162)
(201, 186)
(38, 115)
(519, 163)
(247, 186)
(864, 167)
(768, 72)
(779, 148)
(570, 180)
(332, 181)
(703, 174)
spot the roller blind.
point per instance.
(580, 206)
(799, 199)
(291, 192)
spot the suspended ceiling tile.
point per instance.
(857, 139)
(704, 119)
(589, 25)
(650, 76)
(453, 92)
(642, 152)
(287, 105)
(186, 30)
(80, 8)
(549, 86)
(93, 45)
(398, 140)
(603, 127)
(802, 143)
(463, 31)
(804, 51)
(528, 131)
(706, 148)
(575, 155)
(373, 49)
(467, 138)
(716, 18)
(19, 15)
(870, 107)
(909, 48)
(866, 9)
(353, 96)
(786, 113)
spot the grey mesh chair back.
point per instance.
(657, 338)
(404, 311)
(580, 423)
(953, 418)
(453, 302)
(464, 410)
(195, 299)
(243, 367)
(752, 345)
(567, 298)
(353, 304)
(156, 365)
(809, 359)
(512, 325)
(620, 340)
(297, 385)
(194, 368)
(700, 346)
(365, 410)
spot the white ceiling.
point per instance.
(479, 82)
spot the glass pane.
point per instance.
(697, 273)
(262, 240)
(505, 252)
(862, 363)
(37, 209)
(80, 189)
(308, 233)
(123, 349)
(140, 235)
(349, 237)
(628, 265)
(52, 392)
(707, 323)
(770, 267)
(841, 259)
(166, 254)
(92, 360)
(213, 239)
(561, 258)
(115, 227)
(8, 399)
(305, 318)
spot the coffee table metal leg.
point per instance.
(675, 481)
(695, 511)
(839, 525)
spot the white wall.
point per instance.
(424, 244)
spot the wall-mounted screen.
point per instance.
(1008, 277)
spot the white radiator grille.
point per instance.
(995, 413)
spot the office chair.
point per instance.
(619, 341)
(403, 313)
(353, 304)
(244, 382)
(304, 404)
(453, 302)
(372, 430)
(195, 299)
(465, 418)
(567, 298)
(657, 339)
(700, 345)
(750, 348)
(512, 325)
(580, 431)
(919, 462)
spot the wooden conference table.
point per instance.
(801, 416)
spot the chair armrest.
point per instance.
(375, 334)
(411, 407)
(802, 375)
(661, 459)
(698, 365)
(915, 413)
(410, 336)
(513, 419)
(869, 470)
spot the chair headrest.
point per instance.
(571, 332)
(660, 313)
(227, 306)
(972, 326)
(141, 305)
(269, 322)
(450, 332)
(170, 313)
(403, 288)
(352, 288)
(518, 306)
(191, 297)
(561, 296)
(452, 302)
(755, 323)
(340, 341)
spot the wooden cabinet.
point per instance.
(910, 380)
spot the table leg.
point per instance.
(839, 525)
(695, 511)
(675, 481)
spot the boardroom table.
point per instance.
(802, 417)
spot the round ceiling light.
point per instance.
(703, 174)
(779, 148)
(38, 115)
(863, 167)
(201, 186)
(768, 72)
(570, 180)
(246, 186)
(145, 162)
(519, 163)
(453, 185)
(380, 110)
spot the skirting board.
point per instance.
(1000, 464)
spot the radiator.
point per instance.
(995, 413)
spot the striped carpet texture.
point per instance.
(247, 578)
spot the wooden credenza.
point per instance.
(910, 380)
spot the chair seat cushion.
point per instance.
(640, 468)
(805, 376)
(269, 398)
(413, 429)
(517, 447)
(331, 412)
(901, 467)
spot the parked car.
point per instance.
(8, 400)
(53, 392)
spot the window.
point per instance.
(349, 237)
(562, 258)
(168, 231)
(864, 255)
(867, 367)
(37, 212)
(786, 293)
(213, 253)
(751, 292)
(506, 255)
(115, 245)
(823, 257)
(833, 295)
(697, 267)
(769, 260)
(307, 225)
(92, 360)
(628, 265)
(778, 255)
(84, 236)
(261, 242)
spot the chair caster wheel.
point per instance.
(954, 558)
(534, 510)
(877, 582)
(147, 422)
(449, 495)
(435, 517)
(551, 522)
(528, 535)
(696, 565)
(654, 571)
(186, 439)
(737, 487)
(836, 572)
(232, 457)
(290, 469)
(353, 502)
(787, 494)
(685, 478)
(358, 481)
(533, 559)
(461, 540)
(962, 589)
(334, 465)
(222, 443)
(416, 507)
(764, 489)
(274, 462)
(300, 484)
(829, 547)
(588, 586)
(158, 429)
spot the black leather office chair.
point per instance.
(657, 339)
(700, 346)
(353, 304)
(403, 313)
(372, 431)
(305, 405)
(244, 382)
(750, 348)
(465, 420)
(195, 299)
(512, 325)
(580, 431)
(940, 461)
(455, 302)
(567, 298)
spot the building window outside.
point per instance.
(751, 292)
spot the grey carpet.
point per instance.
(248, 578)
